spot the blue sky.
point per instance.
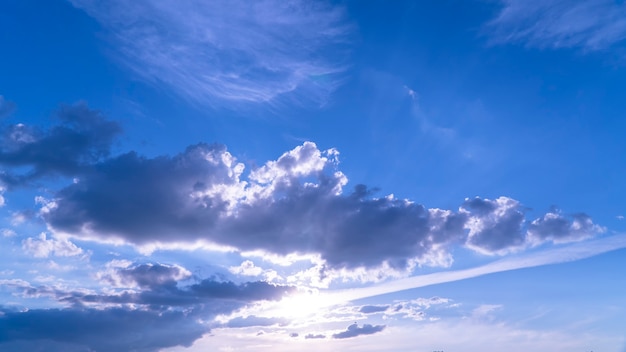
(306, 175)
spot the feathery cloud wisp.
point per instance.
(224, 52)
(589, 25)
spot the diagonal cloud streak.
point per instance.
(566, 254)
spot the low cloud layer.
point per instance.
(82, 137)
(145, 309)
(298, 203)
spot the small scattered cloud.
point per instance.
(587, 25)
(314, 336)
(373, 309)
(146, 276)
(555, 227)
(495, 226)
(354, 330)
(42, 247)
(227, 52)
(144, 313)
(91, 329)
(82, 137)
(8, 232)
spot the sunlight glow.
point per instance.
(309, 305)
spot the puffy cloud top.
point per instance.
(295, 204)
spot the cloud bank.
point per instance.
(145, 309)
(224, 52)
(295, 204)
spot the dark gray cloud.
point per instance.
(494, 225)
(153, 275)
(82, 137)
(159, 315)
(247, 52)
(373, 309)
(354, 330)
(293, 204)
(108, 330)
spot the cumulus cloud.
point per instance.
(146, 275)
(42, 247)
(247, 268)
(223, 52)
(554, 226)
(590, 25)
(83, 137)
(314, 336)
(354, 330)
(495, 226)
(295, 204)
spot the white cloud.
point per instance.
(246, 268)
(553, 226)
(590, 25)
(43, 247)
(8, 232)
(229, 51)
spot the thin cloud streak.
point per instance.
(578, 251)
(590, 25)
(221, 53)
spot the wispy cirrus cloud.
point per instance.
(220, 53)
(589, 25)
